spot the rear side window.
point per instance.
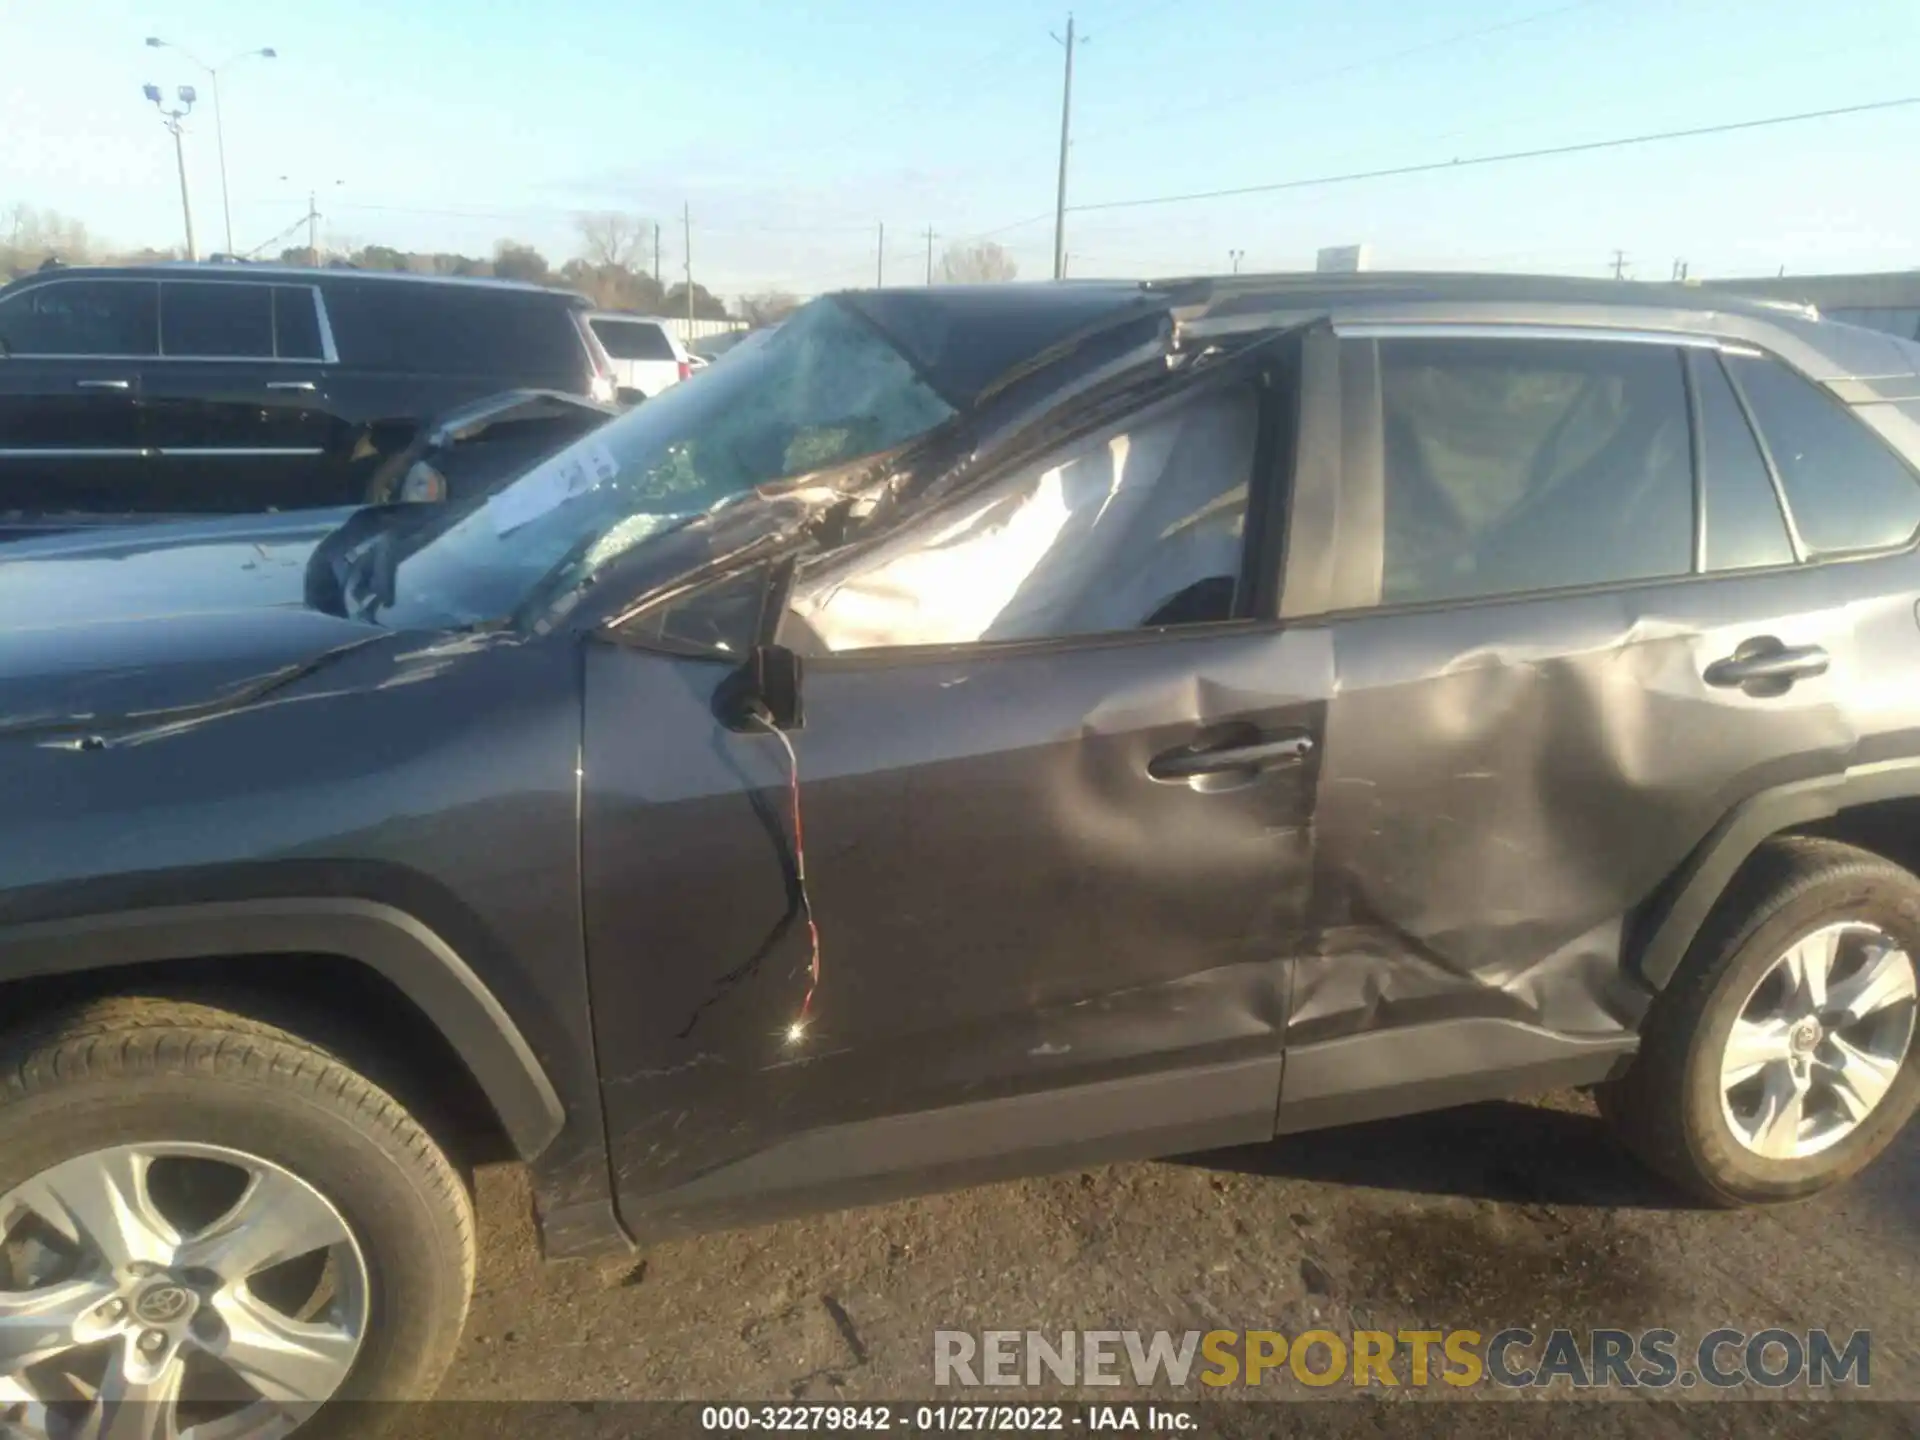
(296, 325)
(453, 329)
(634, 340)
(1518, 465)
(209, 320)
(1846, 489)
(1744, 526)
(83, 317)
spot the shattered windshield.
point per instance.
(823, 389)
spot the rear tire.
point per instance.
(144, 1081)
(1797, 1124)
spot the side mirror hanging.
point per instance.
(766, 689)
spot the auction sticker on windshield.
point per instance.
(574, 471)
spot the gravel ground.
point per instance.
(1482, 1217)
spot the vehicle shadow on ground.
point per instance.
(1504, 1150)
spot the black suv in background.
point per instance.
(223, 388)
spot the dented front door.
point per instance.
(1031, 870)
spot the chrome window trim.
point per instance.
(250, 450)
(150, 453)
(170, 359)
(328, 354)
(31, 453)
(1520, 330)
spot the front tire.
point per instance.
(1781, 1057)
(204, 1212)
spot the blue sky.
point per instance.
(792, 130)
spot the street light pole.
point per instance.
(172, 120)
(219, 129)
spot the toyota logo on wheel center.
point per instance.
(163, 1304)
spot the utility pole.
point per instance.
(929, 255)
(172, 120)
(1236, 256)
(656, 256)
(1619, 264)
(686, 217)
(312, 218)
(1066, 129)
(880, 259)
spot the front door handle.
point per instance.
(1763, 666)
(1185, 764)
(306, 385)
(103, 384)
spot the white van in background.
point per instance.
(647, 356)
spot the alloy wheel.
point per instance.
(1819, 1041)
(174, 1292)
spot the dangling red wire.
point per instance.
(800, 867)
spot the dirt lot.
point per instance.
(1494, 1215)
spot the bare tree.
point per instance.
(769, 308)
(976, 263)
(610, 241)
(28, 237)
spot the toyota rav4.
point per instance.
(970, 733)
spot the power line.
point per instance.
(539, 212)
(1584, 147)
(1298, 82)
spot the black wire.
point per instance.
(1457, 164)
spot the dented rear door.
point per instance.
(1539, 713)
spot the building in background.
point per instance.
(1344, 259)
(1889, 302)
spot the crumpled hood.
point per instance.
(101, 629)
(161, 569)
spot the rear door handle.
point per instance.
(290, 385)
(1184, 764)
(1764, 666)
(103, 384)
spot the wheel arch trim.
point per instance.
(388, 941)
(1672, 925)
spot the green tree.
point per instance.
(513, 260)
(380, 257)
(706, 305)
(611, 287)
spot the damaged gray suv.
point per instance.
(970, 733)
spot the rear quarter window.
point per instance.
(1846, 489)
(634, 340)
(513, 335)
